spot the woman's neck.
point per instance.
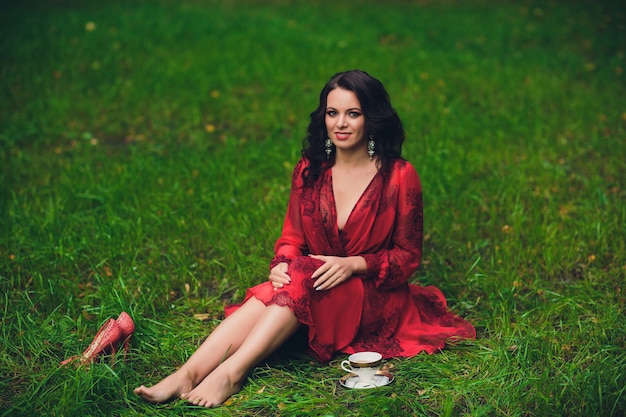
(356, 159)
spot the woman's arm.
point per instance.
(291, 243)
(390, 268)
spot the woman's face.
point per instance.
(345, 122)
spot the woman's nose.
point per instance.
(341, 121)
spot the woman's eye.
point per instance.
(354, 114)
(331, 113)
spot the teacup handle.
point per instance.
(345, 365)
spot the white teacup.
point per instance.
(363, 364)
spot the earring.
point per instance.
(370, 147)
(329, 147)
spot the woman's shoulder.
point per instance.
(296, 174)
(300, 170)
(403, 171)
(309, 172)
(401, 166)
(400, 163)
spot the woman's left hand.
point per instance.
(334, 271)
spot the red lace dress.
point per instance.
(379, 311)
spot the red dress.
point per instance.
(379, 311)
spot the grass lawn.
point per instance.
(146, 149)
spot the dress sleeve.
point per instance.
(291, 243)
(392, 267)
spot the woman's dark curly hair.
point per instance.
(381, 121)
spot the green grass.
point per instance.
(146, 159)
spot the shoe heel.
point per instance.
(107, 337)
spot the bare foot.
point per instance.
(173, 386)
(216, 388)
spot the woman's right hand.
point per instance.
(278, 276)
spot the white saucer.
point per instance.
(354, 382)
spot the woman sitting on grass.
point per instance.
(351, 240)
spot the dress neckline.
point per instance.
(358, 201)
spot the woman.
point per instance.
(351, 240)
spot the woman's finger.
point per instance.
(324, 279)
(319, 272)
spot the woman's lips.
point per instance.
(342, 135)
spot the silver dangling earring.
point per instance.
(370, 147)
(329, 148)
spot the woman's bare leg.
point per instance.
(224, 341)
(272, 329)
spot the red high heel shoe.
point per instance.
(109, 337)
